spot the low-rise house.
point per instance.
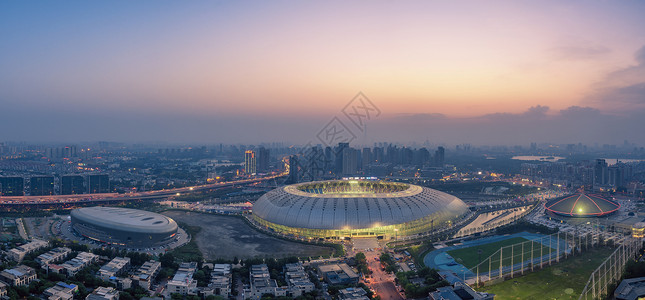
(18, 253)
(122, 283)
(297, 279)
(220, 283)
(630, 289)
(103, 293)
(82, 260)
(145, 275)
(53, 256)
(61, 291)
(20, 275)
(338, 274)
(221, 269)
(3, 289)
(183, 282)
(355, 293)
(115, 267)
(261, 283)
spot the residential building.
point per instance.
(98, 184)
(103, 293)
(53, 255)
(20, 275)
(3, 289)
(41, 185)
(355, 293)
(221, 280)
(250, 162)
(146, 273)
(82, 260)
(72, 185)
(18, 253)
(338, 274)
(115, 267)
(630, 289)
(297, 279)
(261, 283)
(183, 282)
(61, 291)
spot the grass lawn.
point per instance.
(469, 257)
(564, 280)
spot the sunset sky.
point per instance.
(173, 68)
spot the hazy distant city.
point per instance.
(204, 150)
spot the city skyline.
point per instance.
(458, 72)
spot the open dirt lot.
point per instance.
(228, 237)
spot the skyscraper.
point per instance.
(250, 163)
(439, 157)
(263, 160)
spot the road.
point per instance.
(21, 229)
(380, 281)
(58, 199)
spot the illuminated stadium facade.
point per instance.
(582, 205)
(124, 226)
(351, 208)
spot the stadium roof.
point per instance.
(354, 204)
(125, 219)
(582, 205)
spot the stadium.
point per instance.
(582, 205)
(352, 208)
(123, 226)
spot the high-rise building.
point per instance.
(12, 186)
(329, 160)
(422, 156)
(41, 186)
(350, 161)
(293, 169)
(439, 157)
(339, 157)
(97, 184)
(379, 154)
(600, 173)
(250, 162)
(263, 160)
(619, 175)
(72, 185)
(61, 152)
(367, 157)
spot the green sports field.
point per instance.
(469, 257)
(564, 280)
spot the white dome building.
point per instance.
(123, 226)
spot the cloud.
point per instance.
(622, 90)
(574, 124)
(534, 112)
(579, 52)
(535, 124)
(423, 117)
